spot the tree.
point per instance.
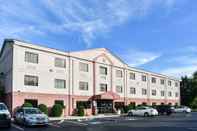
(194, 104)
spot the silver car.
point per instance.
(30, 116)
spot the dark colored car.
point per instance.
(5, 118)
(164, 109)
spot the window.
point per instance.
(169, 93)
(153, 80)
(60, 84)
(119, 89)
(83, 67)
(31, 80)
(83, 85)
(60, 102)
(176, 84)
(103, 70)
(31, 57)
(162, 93)
(60, 62)
(132, 90)
(162, 82)
(177, 94)
(143, 78)
(144, 91)
(119, 73)
(84, 104)
(169, 83)
(154, 92)
(132, 76)
(103, 87)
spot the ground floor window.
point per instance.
(133, 104)
(60, 102)
(85, 104)
(34, 102)
(144, 103)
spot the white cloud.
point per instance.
(137, 58)
(180, 71)
(89, 18)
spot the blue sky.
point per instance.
(156, 35)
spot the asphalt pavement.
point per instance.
(175, 122)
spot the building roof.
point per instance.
(70, 53)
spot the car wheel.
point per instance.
(130, 114)
(146, 114)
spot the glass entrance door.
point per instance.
(105, 106)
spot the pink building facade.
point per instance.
(95, 78)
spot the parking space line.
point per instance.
(78, 123)
(17, 127)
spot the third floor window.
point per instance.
(103, 70)
(119, 73)
(83, 67)
(59, 62)
(31, 57)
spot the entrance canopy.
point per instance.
(108, 96)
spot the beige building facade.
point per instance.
(95, 78)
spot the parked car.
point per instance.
(143, 111)
(164, 109)
(30, 116)
(182, 109)
(5, 117)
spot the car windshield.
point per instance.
(32, 111)
(3, 107)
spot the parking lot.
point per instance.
(175, 122)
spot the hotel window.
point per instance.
(162, 93)
(169, 83)
(143, 78)
(119, 89)
(31, 80)
(103, 70)
(119, 73)
(162, 82)
(132, 90)
(176, 94)
(83, 67)
(169, 93)
(31, 57)
(153, 80)
(60, 102)
(83, 85)
(60, 62)
(154, 92)
(176, 84)
(144, 92)
(132, 76)
(103, 87)
(60, 84)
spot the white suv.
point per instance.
(5, 117)
(143, 111)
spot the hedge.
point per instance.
(56, 110)
(43, 108)
(27, 104)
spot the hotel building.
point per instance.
(96, 78)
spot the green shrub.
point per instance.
(27, 104)
(81, 111)
(56, 110)
(194, 104)
(43, 108)
(129, 107)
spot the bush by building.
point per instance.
(81, 111)
(27, 104)
(43, 108)
(56, 110)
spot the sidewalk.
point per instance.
(81, 117)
